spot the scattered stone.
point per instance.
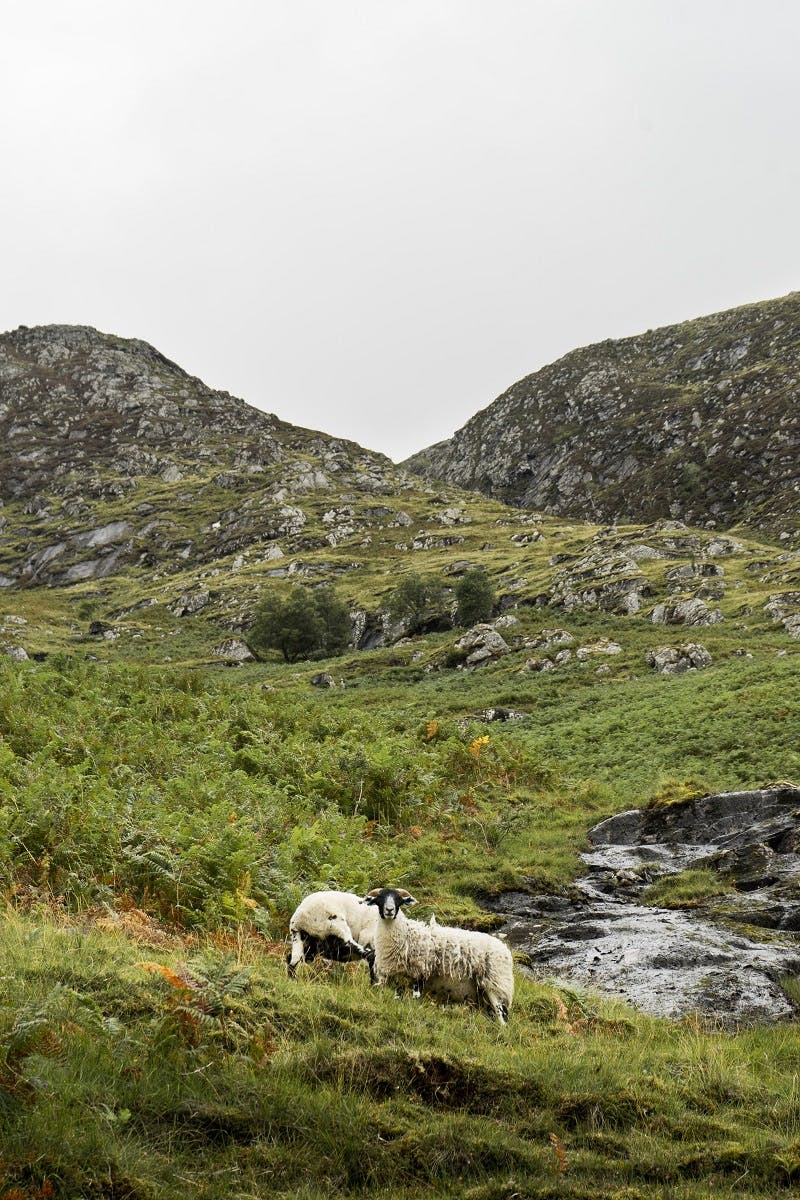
(451, 516)
(598, 647)
(323, 680)
(644, 553)
(105, 535)
(16, 653)
(425, 541)
(686, 612)
(674, 660)
(190, 603)
(722, 545)
(549, 637)
(234, 650)
(783, 608)
(539, 664)
(505, 621)
(501, 714)
(484, 644)
(601, 579)
(290, 521)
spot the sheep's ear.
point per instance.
(372, 896)
(405, 897)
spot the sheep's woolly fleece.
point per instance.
(335, 914)
(459, 964)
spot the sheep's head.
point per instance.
(389, 901)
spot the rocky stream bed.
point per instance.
(728, 959)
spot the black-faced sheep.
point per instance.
(449, 963)
(334, 925)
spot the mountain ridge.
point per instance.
(695, 421)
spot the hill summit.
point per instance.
(112, 456)
(697, 422)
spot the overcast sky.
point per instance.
(372, 216)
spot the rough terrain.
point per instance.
(715, 959)
(697, 421)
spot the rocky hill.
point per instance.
(113, 457)
(144, 515)
(697, 421)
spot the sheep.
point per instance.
(450, 963)
(335, 925)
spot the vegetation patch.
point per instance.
(687, 889)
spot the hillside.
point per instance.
(697, 421)
(161, 818)
(113, 458)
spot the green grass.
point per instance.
(127, 1084)
(688, 889)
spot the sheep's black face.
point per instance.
(389, 901)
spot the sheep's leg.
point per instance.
(417, 986)
(370, 957)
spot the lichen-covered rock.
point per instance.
(539, 665)
(785, 608)
(506, 621)
(602, 578)
(483, 645)
(686, 612)
(233, 650)
(323, 680)
(16, 653)
(674, 660)
(599, 648)
(190, 603)
(546, 638)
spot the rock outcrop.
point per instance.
(698, 421)
(674, 660)
(481, 645)
(707, 959)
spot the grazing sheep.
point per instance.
(450, 963)
(335, 925)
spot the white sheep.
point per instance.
(449, 963)
(335, 925)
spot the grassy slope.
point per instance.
(137, 797)
(163, 813)
(131, 1084)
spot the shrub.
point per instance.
(417, 600)
(475, 597)
(304, 624)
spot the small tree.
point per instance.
(306, 623)
(475, 597)
(418, 599)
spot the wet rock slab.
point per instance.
(672, 963)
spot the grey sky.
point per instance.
(371, 217)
